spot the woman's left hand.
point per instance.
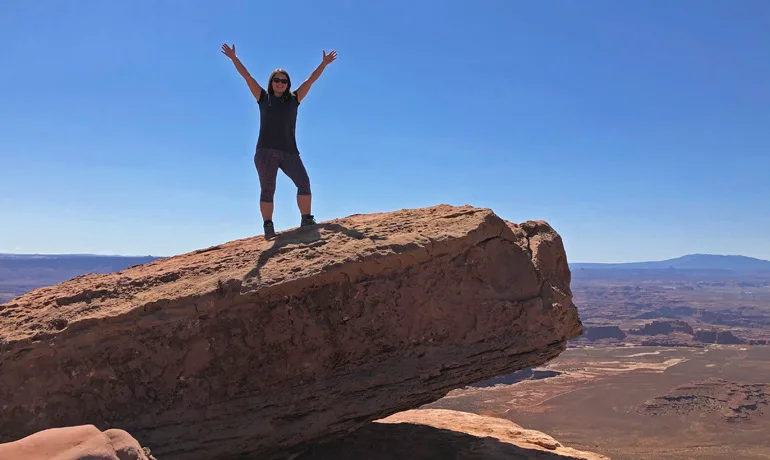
(328, 58)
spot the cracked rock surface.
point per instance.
(259, 347)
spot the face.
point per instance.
(280, 82)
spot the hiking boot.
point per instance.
(307, 220)
(269, 230)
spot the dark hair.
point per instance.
(286, 94)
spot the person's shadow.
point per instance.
(305, 236)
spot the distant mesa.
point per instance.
(668, 312)
(719, 337)
(705, 336)
(663, 328)
(732, 401)
(735, 263)
(663, 333)
(594, 333)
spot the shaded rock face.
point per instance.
(438, 434)
(515, 377)
(705, 336)
(727, 338)
(663, 328)
(508, 379)
(593, 333)
(719, 337)
(682, 326)
(84, 442)
(255, 347)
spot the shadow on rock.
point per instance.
(304, 236)
(400, 441)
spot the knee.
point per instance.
(304, 188)
(266, 194)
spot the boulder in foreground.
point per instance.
(438, 434)
(84, 442)
(258, 347)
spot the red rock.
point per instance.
(84, 442)
(439, 434)
(255, 347)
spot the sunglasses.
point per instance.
(280, 80)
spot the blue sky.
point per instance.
(639, 130)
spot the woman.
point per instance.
(277, 143)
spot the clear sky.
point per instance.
(639, 130)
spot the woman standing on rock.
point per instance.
(277, 143)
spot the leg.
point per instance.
(304, 203)
(267, 162)
(266, 209)
(294, 168)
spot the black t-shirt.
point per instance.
(277, 122)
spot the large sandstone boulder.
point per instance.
(439, 434)
(84, 442)
(256, 347)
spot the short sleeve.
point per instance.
(295, 97)
(263, 96)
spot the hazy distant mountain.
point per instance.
(21, 273)
(733, 263)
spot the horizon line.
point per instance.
(85, 254)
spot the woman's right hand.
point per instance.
(227, 51)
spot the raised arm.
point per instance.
(256, 90)
(305, 86)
